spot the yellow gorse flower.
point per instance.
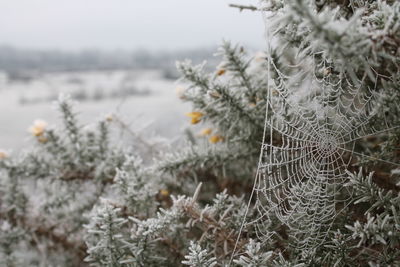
(38, 127)
(221, 72)
(205, 131)
(164, 192)
(194, 120)
(42, 139)
(3, 154)
(195, 116)
(215, 139)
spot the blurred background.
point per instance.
(111, 56)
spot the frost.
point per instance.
(310, 138)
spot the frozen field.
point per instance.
(145, 100)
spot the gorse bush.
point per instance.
(321, 104)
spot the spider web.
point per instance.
(313, 123)
(306, 152)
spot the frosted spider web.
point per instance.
(306, 152)
(313, 122)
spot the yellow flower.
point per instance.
(164, 192)
(194, 120)
(42, 139)
(221, 72)
(215, 139)
(205, 131)
(3, 154)
(38, 127)
(195, 116)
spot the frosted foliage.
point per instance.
(306, 154)
(314, 120)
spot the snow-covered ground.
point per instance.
(143, 98)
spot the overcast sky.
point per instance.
(126, 24)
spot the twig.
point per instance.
(243, 7)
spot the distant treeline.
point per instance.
(19, 62)
(83, 95)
